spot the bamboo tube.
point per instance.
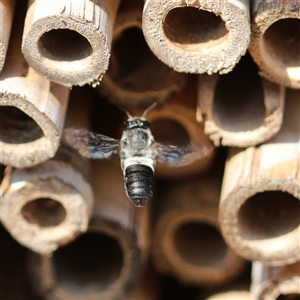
(187, 243)
(175, 123)
(136, 78)
(275, 40)
(274, 283)
(259, 207)
(49, 205)
(69, 42)
(105, 262)
(6, 16)
(240, 109)
(197, 36)
(32, 108)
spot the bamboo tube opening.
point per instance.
(269, 215)
(17, 127)
(88, 265)
(292, 296)
(168, 131)
(199, 244)
(280, 47)
(194, 29)
(44, 212)
(65, 45)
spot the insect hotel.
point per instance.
(150, 149)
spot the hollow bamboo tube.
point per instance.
(200, 36)
(187, 243)
(259, 207)
(49, 205)
(6, 16)
(69, 42)
(240, 109)
(274, 283)
(106, 261)
(136, 78)
(32, 108)
(175, 123)
(275, 40)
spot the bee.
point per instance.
(137, 151)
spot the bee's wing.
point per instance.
(90, 144)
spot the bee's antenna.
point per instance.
(126, 112)
(148, 109)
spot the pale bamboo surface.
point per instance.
(275, 40)
(197, 36)
(240, 109)
(271, 283)
(7, 8)
(69, 42)
(105, 262)
(32, 108)
(136, 77)
(259, 207)
(187, 242)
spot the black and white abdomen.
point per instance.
(139, 183)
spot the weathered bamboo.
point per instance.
(197, 36)
(136, 78)
(49, 205)
(275, 40)
(187, 243)
(69, 41)
(6, 16)
(273, 283)
(106, 261)
(240, 109)
(259, 208)
(32, 108)
(175, 123)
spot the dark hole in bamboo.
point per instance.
(134, 67)
(200, 244)
(44, 212)
(64, 45)
(170, 132)
(268, 215)
(17, 127)
(292, 296)
(239, 98)
(281, 44)
(194, 29)
(88, 265)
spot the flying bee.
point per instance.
(137, 150)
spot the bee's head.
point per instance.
(136, 122)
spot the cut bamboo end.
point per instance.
(275, 40)
(6, 16)
(42, 208)
(240, 109)
(69, 43)
(273, 283)
(136, 78)
(187, 242)
(197, 36)
(259, 208)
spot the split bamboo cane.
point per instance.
(32, 108)
(7, 8)
(105, 262)
(197, 36)
(259, 207)
(275, 283)
(69, 41)
(275, 40)
(136, 78)
(187, 243)
(240, 109)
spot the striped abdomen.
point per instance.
(139, 183)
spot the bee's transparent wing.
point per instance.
(90, 144)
